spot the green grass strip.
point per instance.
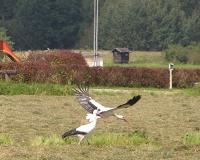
(104, 139)
(14, 88)
(195, 91)
(192, 138)
(109, 139)
(46, 141)
(5, 139)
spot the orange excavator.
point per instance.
(6, 49)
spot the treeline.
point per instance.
(136, 24)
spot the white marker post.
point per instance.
(171, 68)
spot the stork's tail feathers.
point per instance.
(69, 133)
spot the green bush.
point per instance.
(188, 54)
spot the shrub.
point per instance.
(119, 76)
(189, 54)
(69, 73)
(186, 77)
(57, 66)
(55, 57)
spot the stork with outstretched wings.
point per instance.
(89, 104)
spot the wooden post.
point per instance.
(7, 77)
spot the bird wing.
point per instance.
(89, 104)
(129, 103)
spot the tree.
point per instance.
(7, 10)
(47, 24)
(188, 6)
(4, 36)
(142, 25)
(136, 24)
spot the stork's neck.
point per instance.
(94, 121)
(92, 124)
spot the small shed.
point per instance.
(120, 55)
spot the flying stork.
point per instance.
(89, 104)
(84, 130)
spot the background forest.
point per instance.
(136, 24)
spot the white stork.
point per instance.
(83, 130)
(89, 104)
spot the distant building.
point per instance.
(120, 55)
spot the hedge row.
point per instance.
(66, 67)
(143, 77)
(55, 57)
(106, 76)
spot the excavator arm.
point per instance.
(6, 49)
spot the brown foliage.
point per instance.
(66, 67)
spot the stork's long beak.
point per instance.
(98, 114)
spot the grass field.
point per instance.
(144, 59)
(163, 125)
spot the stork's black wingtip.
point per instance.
(134, 100)
(139, 96)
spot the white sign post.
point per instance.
(171, 68)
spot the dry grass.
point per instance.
(143, 59)
(138, 59)
(164, 116)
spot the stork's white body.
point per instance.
(88, 127)
(83, 130)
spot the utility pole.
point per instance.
(96, 27)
